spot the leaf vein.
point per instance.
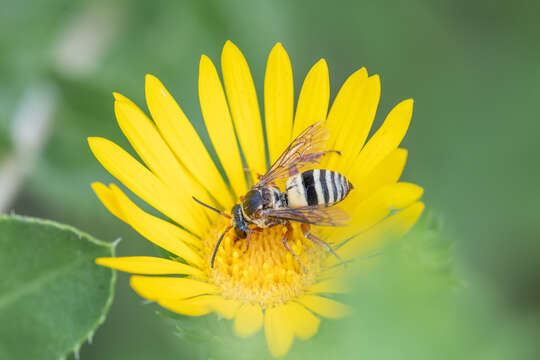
(34, 285)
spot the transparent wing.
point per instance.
(315, 215)
(306, 149)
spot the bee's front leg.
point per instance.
(248, 239)
(249, 233)
(308, 235)
(249, 171)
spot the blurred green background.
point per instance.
(471, 66)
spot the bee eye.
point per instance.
(252, 202)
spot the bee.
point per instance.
(308, 198)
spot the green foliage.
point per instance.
(212, 337)
(429, 250)
(5, 139)
(52, 294)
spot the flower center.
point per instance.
(266, 273)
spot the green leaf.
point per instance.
(430, 250)
(5, 139)
(52, 294)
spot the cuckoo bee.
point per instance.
(308, 198)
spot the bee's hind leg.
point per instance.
(288, 247)
(311, 158)
(316, 240)
(316, 157)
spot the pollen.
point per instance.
(266, 273)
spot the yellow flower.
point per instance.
(262, 285)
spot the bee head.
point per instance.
(239, 223)
(253, 202)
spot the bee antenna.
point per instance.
(211, 208)
(217, 245)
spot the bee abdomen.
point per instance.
(317, 187)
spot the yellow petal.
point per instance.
(148, 265)
(386, 172)
(197, 306)
(400, 223)
(347, 106)
(373, 240)
(184, 141)
(370, 211)
(107, 198)
(244, 107)
(248, 320)
(279, 330)
(405, 194)
(148, 143)
(387, 137)
(161, 288)
(325, 307)
(390, 197)
(132, 213)
(334, 271)
(145, 184)
(224, 307)
(314, 98)
(329, 286)
(305, 323)
(219, 125)
(342, 120)
(352, 114)
(278, 101)
(374, 209)
(160, 232)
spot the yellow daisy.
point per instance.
(260, 286)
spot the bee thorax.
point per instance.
(273, 198)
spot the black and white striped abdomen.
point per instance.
(317, 187)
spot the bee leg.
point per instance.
(288, 247)
(332, 151)
(249, 171)
(314, 158)
(316, 240)
(249, 233)
(293, 170)
(248, 240)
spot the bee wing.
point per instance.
(315, 215)
(306, 149)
